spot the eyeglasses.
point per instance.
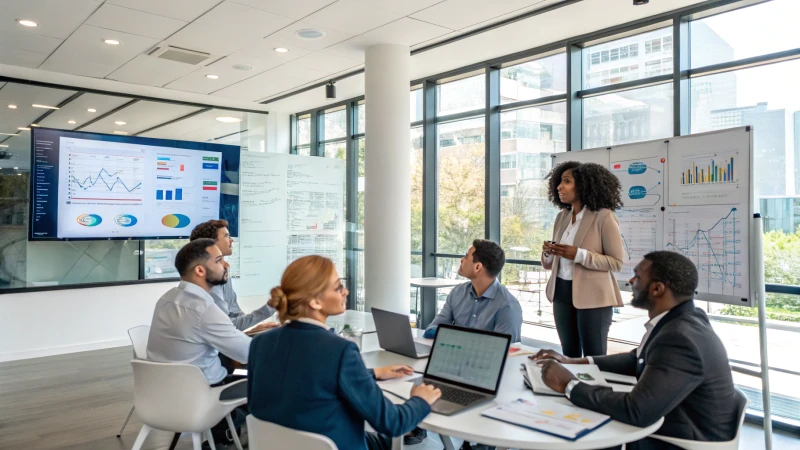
(340, 288)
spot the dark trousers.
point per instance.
(583, 332)
(377, 441)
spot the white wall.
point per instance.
(65, 321)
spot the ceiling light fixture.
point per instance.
(242, 67)
(4, 145)
(23, 129)
(27, 23)
(92, 110)
(119, 122)
(120, 132)
(640, 2)
(281, 50)
(212, 77)
(16, 168)
(35, 105)
(12, 106)
(330, 90)
(71, 122)
(34, 124)
(111, 41)
(228, 119)
(10, 134)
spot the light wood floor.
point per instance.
(79, 401)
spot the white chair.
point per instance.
(741, 404)
(138, 336)
(269, 436)
(177, 398)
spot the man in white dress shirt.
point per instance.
(189, 328)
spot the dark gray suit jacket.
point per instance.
(683, 375)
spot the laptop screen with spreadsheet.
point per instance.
(473, 358)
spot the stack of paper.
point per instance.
(587, 373)
(549, 417)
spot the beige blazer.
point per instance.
(593, 283)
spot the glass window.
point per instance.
(461, 194)
(534, 79)
(526, 215)
(361, 115)
(629, 116)
(752, 31)
(335, 150)
(334, 124)
(595, 75)
(303, 139)
(463, 95)
(416, 191)
(416, 105)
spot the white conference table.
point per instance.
(430, 282)
(470, 425)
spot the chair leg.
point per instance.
(448, 443)
(174, 441)
(210, 439)
(126, 422)
(397, 443)
(197, 441)
(141, 438)
(233, 432)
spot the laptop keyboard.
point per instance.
(422, 348)
(457, 396)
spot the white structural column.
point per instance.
(387, 165)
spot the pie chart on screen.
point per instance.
(175, 221)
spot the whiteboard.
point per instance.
(290, 206)
(692, 195)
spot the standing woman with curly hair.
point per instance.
(585, 250)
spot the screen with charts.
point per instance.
(472, 358)
(88, 187)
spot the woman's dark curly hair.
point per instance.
(596, 186)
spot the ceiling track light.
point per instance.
(36, 105)
(330, 90)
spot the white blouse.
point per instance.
(565, 266)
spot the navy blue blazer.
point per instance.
(304, 377)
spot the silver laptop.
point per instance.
(394, 334)
(467, 365)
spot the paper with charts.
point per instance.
(714, 237)
(642, 181)
(549, 416)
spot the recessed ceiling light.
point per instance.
(9, 134)
(120, 132)
(229, 119)
(4, 145)
(310, 33)
(212, 77)
(44, 106)
(281, 50)
(12, 106)
(23, 129)
(71, 122)
(119, 122)
(111, 41)
(92, 110)
(27, 23)
(34, 124)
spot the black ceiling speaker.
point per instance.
(330, 90)
(640, 2)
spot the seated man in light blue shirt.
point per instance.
(482, 303)
(224, 295)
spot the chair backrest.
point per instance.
(173, 397)
(269, 436)
(139, 336)
(741, 404)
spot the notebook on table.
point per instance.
(549, 417)
(587, 373)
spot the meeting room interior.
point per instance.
(387, 224)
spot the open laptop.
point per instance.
(394, 334)
(467, 365)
